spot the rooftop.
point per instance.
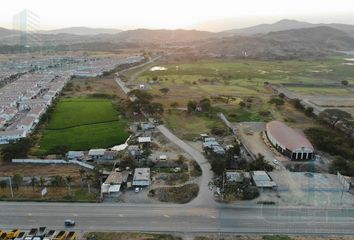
(288, 137)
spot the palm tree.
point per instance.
(69, 181)
(88, 178)
(41, 181)
(33, 182)
(82, 175)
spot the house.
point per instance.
(114, 182)
(143, 140)
(11, 136)
(27, 123)
(36, 111)
(3, 121)
(96, 154)
(147, 126)
(141, 177)
(134, 151)
(110, 155)
(237, 176)
(218, 150)
(262, 180)
(75, 155)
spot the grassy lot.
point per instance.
(128, 236)
(74, 112)
(81, 124)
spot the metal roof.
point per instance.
(288, 137)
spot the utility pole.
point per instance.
(12, 192)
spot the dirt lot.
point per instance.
(46, 170)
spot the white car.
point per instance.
(137, 190)
(275, 161)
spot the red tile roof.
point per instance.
(288, 137)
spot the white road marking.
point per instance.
(166, 216)
(211, 216)
(29, 214)
(121, 215)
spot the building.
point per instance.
(262, 180)
(114, 182)
(237, 176)
(11, 136)
(290, 142)
(96, 154)
(27, 123)
(141, 177)
(144, 140)
(110, 155)
(75, 155)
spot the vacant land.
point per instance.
(81, 124)
(54, 194)
(182, 194)
(45, 170)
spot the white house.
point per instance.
(141, 177)
(96, 154)
(27, 123)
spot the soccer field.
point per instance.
(81, 124)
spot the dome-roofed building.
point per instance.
(290, 142)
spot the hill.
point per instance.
(163, 36)
(83, 31)
(286, 24)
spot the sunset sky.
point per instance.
(127, 14)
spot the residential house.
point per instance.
(96, 154)
(75, 155)
(141, 177)
(11, 136)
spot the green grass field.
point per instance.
(81, 124)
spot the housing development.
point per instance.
(238, 133)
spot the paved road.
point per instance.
(177, 218)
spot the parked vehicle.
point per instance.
(275, 161)
(71, 236)
(13, 234)
(61, 235)
(21, 236)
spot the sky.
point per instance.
(173, 14)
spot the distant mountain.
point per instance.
(286, 24)
(7, 32)
(163, 36)
(289, 44)
(83, 31)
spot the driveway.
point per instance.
(205, 196)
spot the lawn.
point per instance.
(81, 124)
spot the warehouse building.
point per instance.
(290, 142)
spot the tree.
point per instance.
(205, 104)
(309, 111)
(82, 175)
(297, 104)
(191, 106)
(57, 181)
(69, 181)
(33, 182)
(41, 181)
(17, 149)
(164, 91)
(242, 104)
(3, 184)
(345, 83)
(88, 179)
(17, 180)
(276, 101)
(333, 116)
(218, 166)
